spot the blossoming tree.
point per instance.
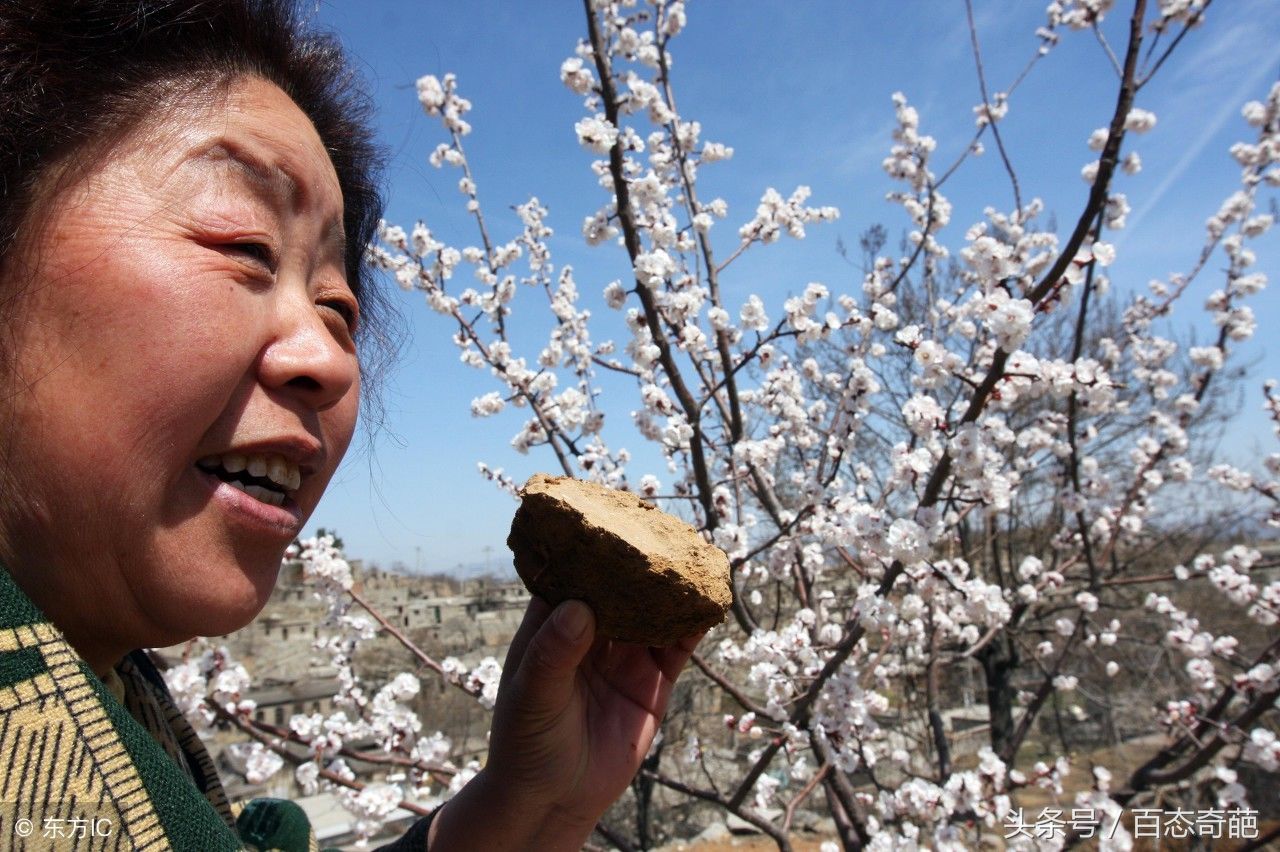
(962, 469)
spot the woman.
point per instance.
(187, 193)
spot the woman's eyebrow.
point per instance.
(271, 180)
(337, 239)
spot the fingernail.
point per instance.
(573, 619)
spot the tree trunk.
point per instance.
(999, 661)
(643, 787)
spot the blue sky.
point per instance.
(802, 93)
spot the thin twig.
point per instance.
(422, 656)
(986, 104)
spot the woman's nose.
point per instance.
(307, 358)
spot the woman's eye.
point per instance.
(344, 309)
(259, 254)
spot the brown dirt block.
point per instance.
(650, 578)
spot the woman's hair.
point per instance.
(77, 76)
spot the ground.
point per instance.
(1122, 760)
(744, 844)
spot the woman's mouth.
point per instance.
(267, 477)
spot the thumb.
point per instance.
(547, 672)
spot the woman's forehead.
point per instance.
(258, 131)
(282, 183)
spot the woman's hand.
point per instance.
(575, 716)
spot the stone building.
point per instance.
(444, 616)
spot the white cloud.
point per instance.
(1228, 55)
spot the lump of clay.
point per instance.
(650, 578)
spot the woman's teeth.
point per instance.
(280, 474)
(266, 495)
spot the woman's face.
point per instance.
(186, 377)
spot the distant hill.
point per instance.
(502, 569)
(496, 567)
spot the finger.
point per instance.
(671, 661)
(547, 674)
(534, 617)
(644, 675)
(629, 662)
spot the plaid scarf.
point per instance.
(114, 765)
(83, 768)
